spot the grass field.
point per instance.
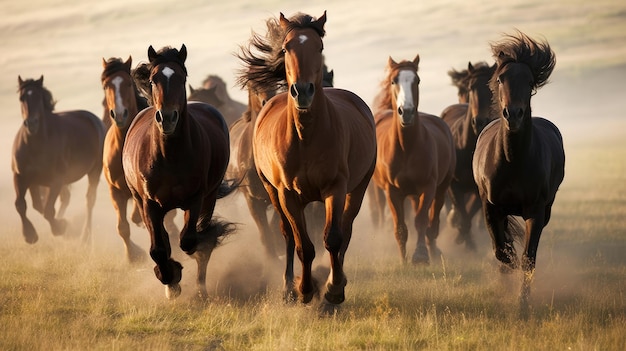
(60, 295)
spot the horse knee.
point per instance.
(20, 206)
(333, 241)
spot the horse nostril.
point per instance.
(400, 111)
(505, 113)
(159, 116)
(125, 114)
(311, 89)
(112, 114)
(293, 91)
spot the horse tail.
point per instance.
(215, 228)
(228, 186)
(514, 230)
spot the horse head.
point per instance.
(523, 66)
(479, 94)
(35, 101)
(119, 90)
(302, 48)
(206, 95)
(168, 76)
(403, 82)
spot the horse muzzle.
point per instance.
(407, 115)
(32, 124)
(119, 117)
(167, 121)
(514, 116)
(302, 94)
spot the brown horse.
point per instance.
(310, 144)
(53, 150)
(175, 156)
(519, 161)
(466, 121)
(214, 92)
(122, 103)
(416, 158)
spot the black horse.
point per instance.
(519, 161)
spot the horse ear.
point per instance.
(322, 20)
(151, 54)
(182, 53)
(284, 23)
(391, 62)
(470, 67)
(104, 63)
(129, 61)
(19, 80)
(191, 89)
(416, 60)
(40, 80)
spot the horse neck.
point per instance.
(304, 124)
(515, 145)
(468, 129)
(168, 146)
(407, 136)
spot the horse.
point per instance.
(214, 92)
(416, 158)
(519, 161)
(466, 121)
(460, 80)
(122, 102)
(52, 150)
(310, 144)
(175, 156)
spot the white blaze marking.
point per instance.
(405, 95)
(302, 38)
(119, 103)
(168, 72)
(30, 92)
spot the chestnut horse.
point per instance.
(310, 144)
(416, 159)
(122, 102)
(53, 150)
(466, 121)
(519, 161)
(175, 156)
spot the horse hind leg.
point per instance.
(64, 196)
(211, 232)
(92, 189)
(57, 225)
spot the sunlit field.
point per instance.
(59, 294)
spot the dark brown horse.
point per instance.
(416, 158)
(519, 160)
(461, 82)
(466, 121)
(175, 156)
(122, 103)
(53, 150)
(311, 144)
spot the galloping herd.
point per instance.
(299, 140)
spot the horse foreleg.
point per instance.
(496, 222)
(28, 230)
(64, 197)
(92, 189)
(434, 222)
(421, 207)
(395, 200)
(293, 210)
(534, 227)
(458, 217)
(120, 202)
(37, 197)
(167, 270)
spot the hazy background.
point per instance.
(66, 41)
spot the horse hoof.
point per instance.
(58, 226)
(172, 291)
(420, 256)
(328, 308)
(290, 297)
(170, 273)
(507, 268)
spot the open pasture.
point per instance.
(57, 295)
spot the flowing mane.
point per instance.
(141, 74)
(48, 100)
(521, 48)
(263, 58)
